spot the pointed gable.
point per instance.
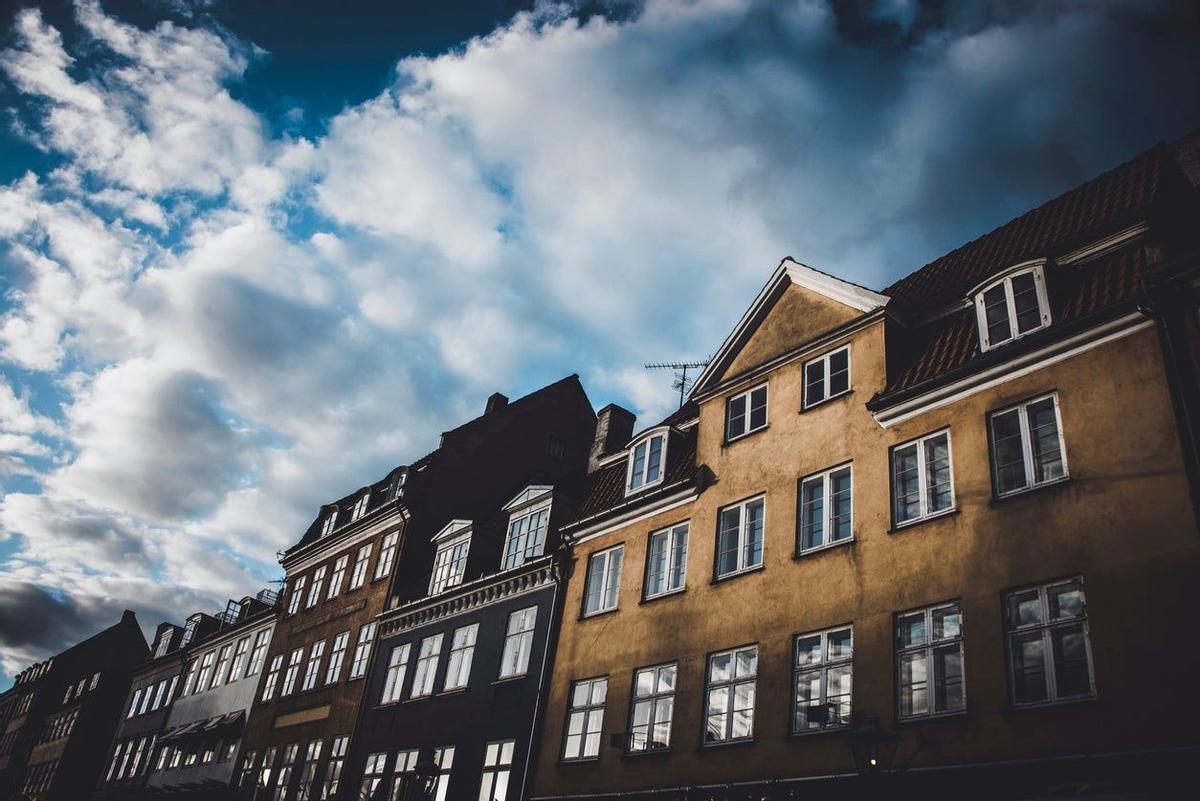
(798, 305)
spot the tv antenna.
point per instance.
(681, 382)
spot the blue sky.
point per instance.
(253, 255)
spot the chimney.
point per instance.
(614, 429)
(494, 402)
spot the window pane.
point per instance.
(678, 557)
(656, 567)
(1043, 433)
(938, 495)
(595, 582)
(808, 650)
(839, 371)
(736, 417)
(814, 382)
(906, 487)
(911, 629)
(1025, 302)
(639, 465)
(948, 669)
(727, 540)
(947, 623)
(1024, 608)
(1008, 452)
(995, 310)
(913, 698)
(758, 408)
(666, 679)
(663, 712)
(808, 694)
(654, 461)
(839, 502)
(613, 582)
(644, 684)
(840, 645)
(719, 667)
(747, 663)
(1066, 601)
(1029, 668)
(812, 512)
(1070, 660)
(837, 693)
(754, 533)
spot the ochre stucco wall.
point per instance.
(1122, 521)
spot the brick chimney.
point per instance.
(495, 401)
(614, 429)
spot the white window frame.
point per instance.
(642, 477)
(292, 673)
(258, 653)
(528, 552)
(425, 670)
(387, 555)
(822, 666)
(462, 654)
(748, 430)
(373, 771)
(312, 668)
(240, 653)
(362, 651)
(1022, 410)
(823, 360)
(297, 594)
(337, 657)
(222, 665)
(397, 669)
(1038, 272)
(497, 770)
(655, 699)
(589, 712)
(337, 761)
(607, 581)
(449, 564)
(443, 757)
(406, 762)
(361, 560)
(339, 573)
(731, 684)
(318, 584)
(518, 643)
(328, 524)
(922, 478)
(743, 565)
(826, 479)
(133, 705)
(928, 647)
(204, 674)
(272, 680)
(673, 564)
(1046, 626)
(360, 506)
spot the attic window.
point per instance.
(360, 507)
(646, 462)
(1012, 307)
(327, 526)
(450, 562)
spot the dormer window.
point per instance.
(360, 507)
(450, 562)
(327, 526)
(646, 462)
(1013, 306)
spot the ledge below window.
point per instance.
(917, 521)
(1037, 489)
(736, 574)
(820, 549)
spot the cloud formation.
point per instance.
(208, 330)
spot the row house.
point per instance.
(58, 710)
(376, 550)
(939, 538)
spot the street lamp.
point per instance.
(873, 746)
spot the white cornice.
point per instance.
(451, 530)
(321, 549)
(666, 503)
(1102, 246)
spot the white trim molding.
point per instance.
(1023, 365)
(1102, 246)
(637, 515)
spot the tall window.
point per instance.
(1027, 449)
(387, 555)
(518, 643)
(426, 668)
(360, 506)
(133, 706)
(929, 658)
(824, 674)
(293, 670)
(740, 536)
(259, 652)
(372, 774)
(359, 576)
(285, 771)
(826, 509)
(462, 650)
(526, 537)
(268, 766)
(327, 526)
(222, 666)
(647, 463)
(444, 758)
(1012, 307)
(585, 719)
(297, 595)
(922, 478)
(306, 789)
(666, 560)
(603, 580)
(450, 563)
(653, 708)
(746, 412)
(1049, 651)
(206, 665)
(497, 765)
(337, 760)
(730, 695)
(827, 377)
(239, 659)
(362, 651)
(393, 681)
(246, 777)
(406, 764)
(318, 584)
(313, 668)
(339, 573)
(337, 655)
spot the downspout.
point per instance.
(558, 573)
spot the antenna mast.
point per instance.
(681, 381)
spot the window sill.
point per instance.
(843, 394)
(417, 700)
(1037, 489)
(740, 742)
(452, 692)
(918, 720)
(916, 521)
(736, 574)
(800, 555)
(805, 735)
(647, 754)
(510, 679)
(592, 760)
(601, 613)
(660, 596)
(731, 440)
(1083, 699)
(632, 491)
